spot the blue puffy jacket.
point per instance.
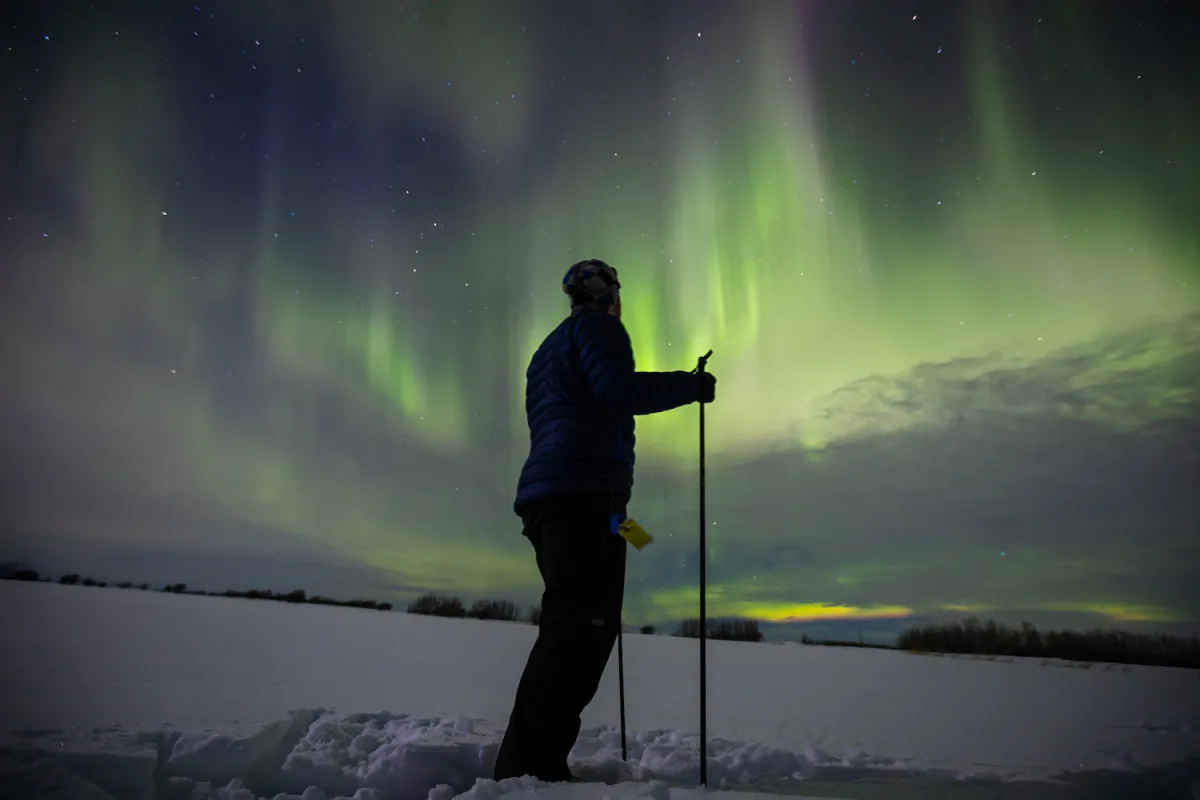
(581, 394)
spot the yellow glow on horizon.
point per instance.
(1119, 613)
(965, 608)
(809, 612)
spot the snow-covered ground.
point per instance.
(122, 693)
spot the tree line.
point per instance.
(436, 605)
(1108, 646)
(969, 636)
(294, 596)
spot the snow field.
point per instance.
(129, 694)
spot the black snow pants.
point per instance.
(583, 569)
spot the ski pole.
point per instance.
(621, 685)
(703, 592)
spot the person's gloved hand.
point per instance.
(708, 387)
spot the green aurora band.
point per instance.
(738, 222)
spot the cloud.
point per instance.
(1127, 379)
(1066, 479)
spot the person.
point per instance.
(581, 395)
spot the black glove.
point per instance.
(708, 387)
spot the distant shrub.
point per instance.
(970, 636)
(534, 615)
(437, 606)
(806, 639)
(648, 630)
(494, 609)
(738, 630)
(23, 575)
(144, 586)
(174, 588)
(363, 603)
(734, 630)
(301, 596)
(125, 585)
(88, 582)
(69, 580)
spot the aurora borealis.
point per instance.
(272, 273)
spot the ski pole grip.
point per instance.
(703, 362)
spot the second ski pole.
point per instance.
(700, 368)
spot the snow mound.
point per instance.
(529, 789)
(318, 754)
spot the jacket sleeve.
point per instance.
(606, 355)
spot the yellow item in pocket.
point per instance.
(633, 533)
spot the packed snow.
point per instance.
(110, 693)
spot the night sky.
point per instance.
(272, 272)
